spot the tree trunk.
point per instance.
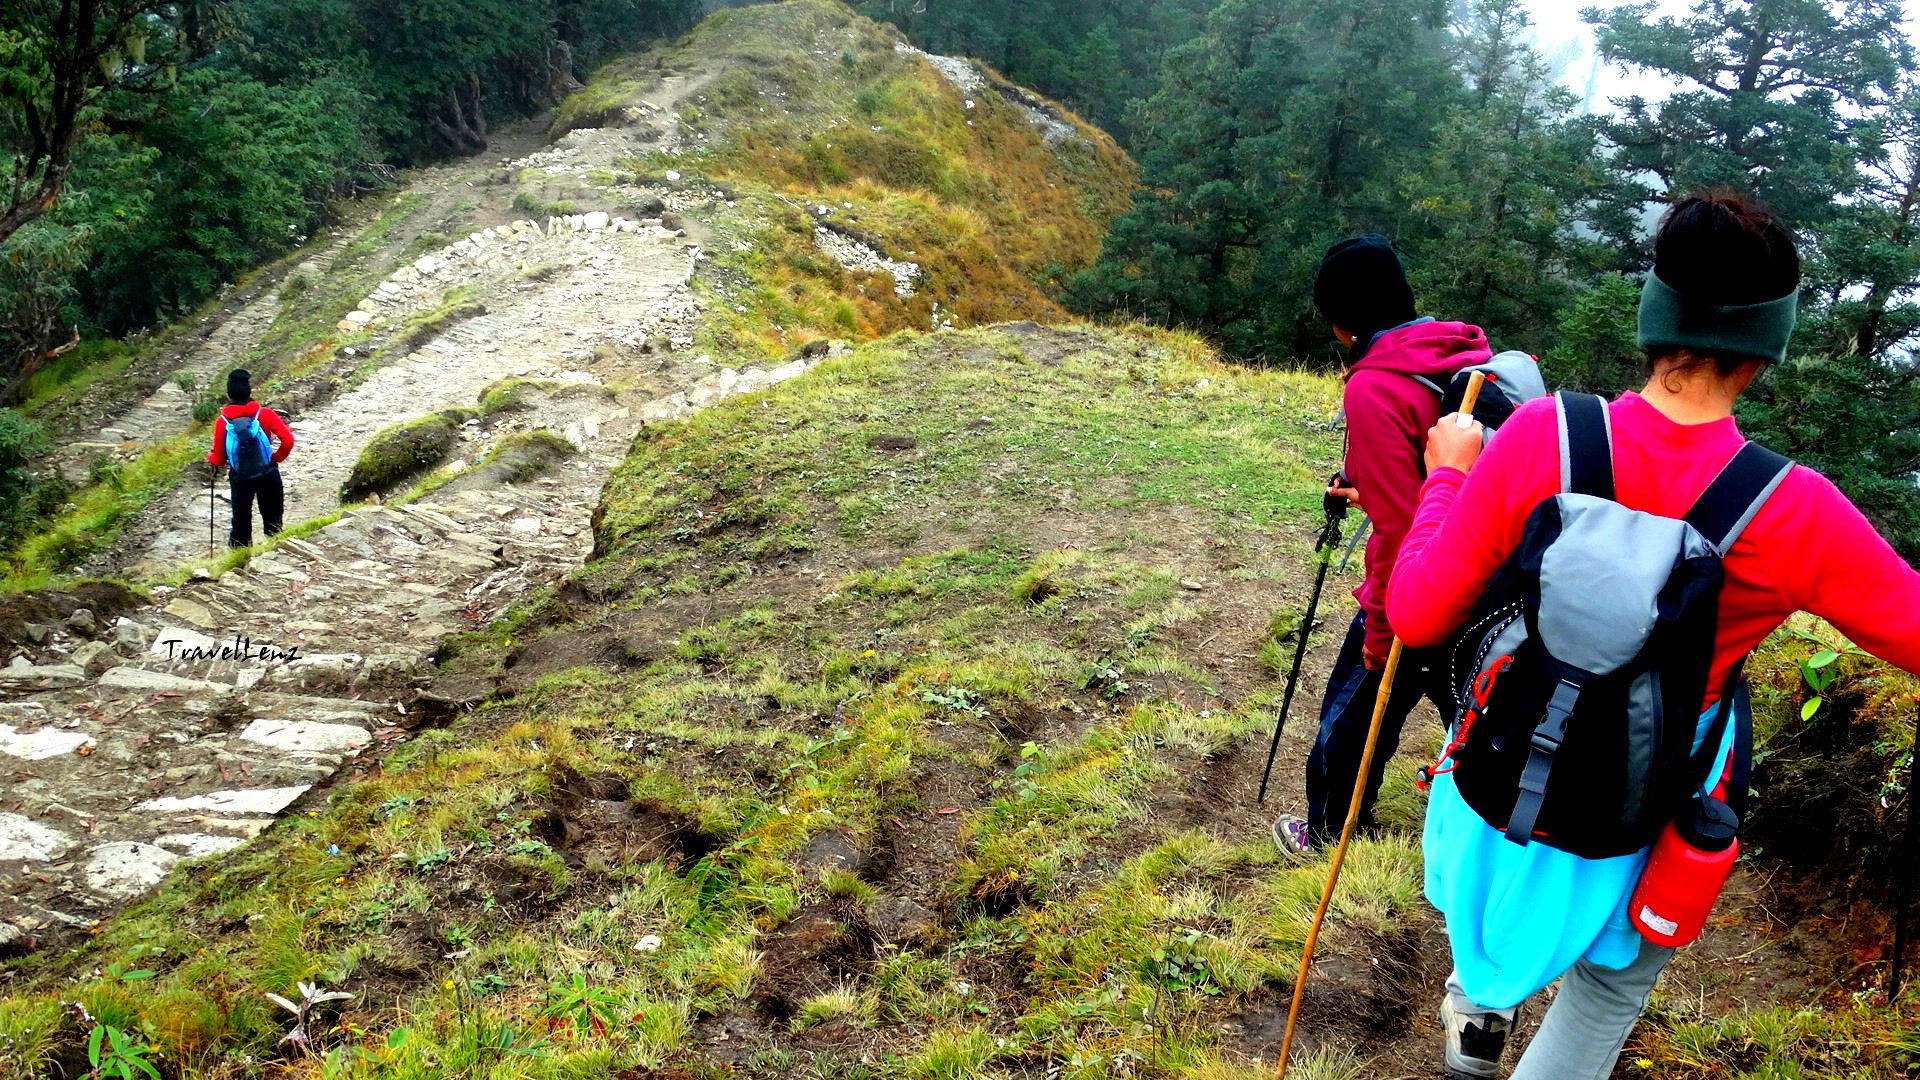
(1867, 340)
(460, 123)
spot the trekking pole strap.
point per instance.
(1547, 737)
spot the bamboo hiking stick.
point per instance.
(1380, 700)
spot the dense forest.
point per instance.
(157, 149)
(1266, 129)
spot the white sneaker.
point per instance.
(1475, 1041)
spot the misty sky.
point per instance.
(1568, 42)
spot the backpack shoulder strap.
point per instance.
(1730, 503)
(1428, 383)
(1586, 444)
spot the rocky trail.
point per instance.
(184, 727)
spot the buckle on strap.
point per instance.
(1552, 729)
(1547, 737)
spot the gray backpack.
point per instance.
(1581, 671)
(1513, 379)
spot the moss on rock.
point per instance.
(402, 452)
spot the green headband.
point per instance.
(1669, 321)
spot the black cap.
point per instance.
(1710, 825)
(239, 386)
(1361, 287)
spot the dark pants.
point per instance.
(273, 499)
(1346, 713)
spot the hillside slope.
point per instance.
(479, 370)
(731, 702)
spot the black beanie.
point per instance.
(1362, 288)
(239, 386)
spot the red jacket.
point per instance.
(270, 423)
(1388, 415)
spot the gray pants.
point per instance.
(1589, 1020)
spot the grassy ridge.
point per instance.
(806, 107)
(595, 872)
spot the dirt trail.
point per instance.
(184, 728)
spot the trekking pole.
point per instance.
(213, 474)
(1903, 885)
(1335, 508)
(1380, 701)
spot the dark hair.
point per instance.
(1722, 248)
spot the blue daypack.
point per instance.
(249, 454)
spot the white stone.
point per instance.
(243, 801)
(173, 641)
(358, 317)
(673, 177)
(18, 676)
(42, 744)
(595, 221)
(305, 736)
(428, 264)
(26, 839)
(124, 869)
(197, 845)
(525, 526)
(148, 682)
(389, 288)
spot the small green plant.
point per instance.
(432, 860)
(185, 381)
(958, 698)
(1179, 965)
(113, 1054)
(1032, 763)
(1818, 671)
(588, 1008)
(1106, 677)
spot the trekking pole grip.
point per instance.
(1475, 383)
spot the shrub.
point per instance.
(20, 440)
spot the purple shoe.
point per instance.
(1290, 835)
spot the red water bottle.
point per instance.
(1689, 867)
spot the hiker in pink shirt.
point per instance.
(1717, 308)
(1395, 359)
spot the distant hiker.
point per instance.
(251, 442)
(1534, 853)
(1393, 359)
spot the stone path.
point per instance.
(160, 415)
(185, 728)
(550, 295)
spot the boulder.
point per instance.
(95, 657)
(129, 637)
(22, 838)
(831, 851)
(41, 677)
(82, 622)
(595, 221)
(124, 869)
(896, 920)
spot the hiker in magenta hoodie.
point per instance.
(250, 441)
(1394, 355)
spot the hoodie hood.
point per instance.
(234, 412)
(1427, 347)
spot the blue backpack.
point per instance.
(249, 454)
